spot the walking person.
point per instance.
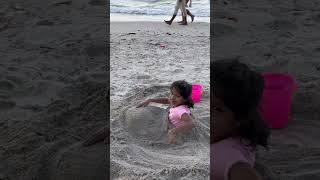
(188, 12)
(181, 4)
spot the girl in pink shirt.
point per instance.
(237, 128)
(180, 103)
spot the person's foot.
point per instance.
(168, 22)
(184, 23)
(192, 18)
(184, 20)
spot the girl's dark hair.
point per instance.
(185, 90)
(241, 90)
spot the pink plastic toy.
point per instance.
(162, 45)
(277, 99)
(196, 93)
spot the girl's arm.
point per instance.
(241, 171)
(157, 100)
(188, 124)
(160, 100)
(190, 3)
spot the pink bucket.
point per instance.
(196, 93)
(277, 99)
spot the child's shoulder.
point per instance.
(235, 146)
(183, 107)
(180, 109)
(230, 144)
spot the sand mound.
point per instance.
(147, 123)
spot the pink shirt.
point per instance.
(176, 113)
(225, 153)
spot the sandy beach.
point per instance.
(53, 89)
(279, 36)
(141, 69)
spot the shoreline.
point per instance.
(118, 17)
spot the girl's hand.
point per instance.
(143, 104)
(172, 137)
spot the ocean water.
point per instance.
(200, 8)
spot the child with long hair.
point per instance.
(237, 128)
(180, 102)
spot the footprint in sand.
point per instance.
(307, 5)
(15, 79)
(6, 85)
(178, 71)
(316, 17)
(58, 106)
(222, 29)
(12, 68)
(4, 95)
(99, 76)
(5, 105)
(280, 25)
(317, 50)
(4, 23)
(309, 22)
(77, 162)
(44, 23)
(221, 14)
(145, 76)
(96, 50)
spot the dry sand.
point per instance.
(279, 36)
(53, 89)
(141, 69)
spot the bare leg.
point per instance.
(177, 7)
(191, 15)
(181, 16)
(184, 13)
(184, 22)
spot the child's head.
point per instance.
(236, 94)
(181, 93)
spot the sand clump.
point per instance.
(147, 123)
